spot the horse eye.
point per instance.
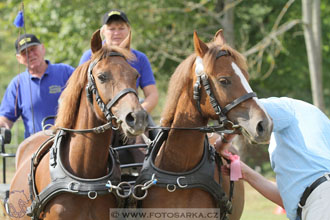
(102, 78)
(224, 81)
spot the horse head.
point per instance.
(227, 95)
(112, 83)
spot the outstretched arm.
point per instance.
(264, 186)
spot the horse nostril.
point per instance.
(260, 127)
(130, 119)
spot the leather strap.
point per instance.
(309, 190)
(237, 101)
(119, 95)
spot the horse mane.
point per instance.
(182, 75)
(106, 49)
(70, 97)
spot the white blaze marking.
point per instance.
(241, 76)
(245, 83)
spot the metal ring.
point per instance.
(178, 182)
(118, 121)
(171, 185)
(119, 188)
(90, 194)
(110, 186)
(137, 197)
(70, 185)
(115, 128)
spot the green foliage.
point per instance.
(163, 29)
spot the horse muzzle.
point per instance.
(135, 123)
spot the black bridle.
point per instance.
(91, 89)
(106, 108)
(221, 112)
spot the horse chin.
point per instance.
(252, 139)
(131, 132)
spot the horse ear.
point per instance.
(96, 41)
(219, 38)
(127, 42)
(200, 47)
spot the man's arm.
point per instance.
(151, 97)
(264, 186)
(5, 122)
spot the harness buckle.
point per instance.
(178, 182)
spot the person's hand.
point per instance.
(4, 125)
(223, 143)
(5, 122)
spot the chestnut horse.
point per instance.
(100, 96)
(177, 172)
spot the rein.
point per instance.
(206, 129)
(97, 130)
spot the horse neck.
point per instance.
(86, 155)
(183, 148)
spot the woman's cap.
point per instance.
(24, 41)
(113, 13)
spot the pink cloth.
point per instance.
(235, 167)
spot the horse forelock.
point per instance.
(106, 49)
(210, 56)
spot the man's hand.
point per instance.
(223, 143)
(5, 122)
(222, 146)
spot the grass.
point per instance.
(259, 208)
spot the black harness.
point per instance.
(202, 176)
(62, 181)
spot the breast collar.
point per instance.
(201, 176)
(63, 181)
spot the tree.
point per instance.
(267, 32)
(313, 38)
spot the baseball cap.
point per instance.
(24, 41)
(113, 13)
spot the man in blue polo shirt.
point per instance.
(115, 29)
(34, 93)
